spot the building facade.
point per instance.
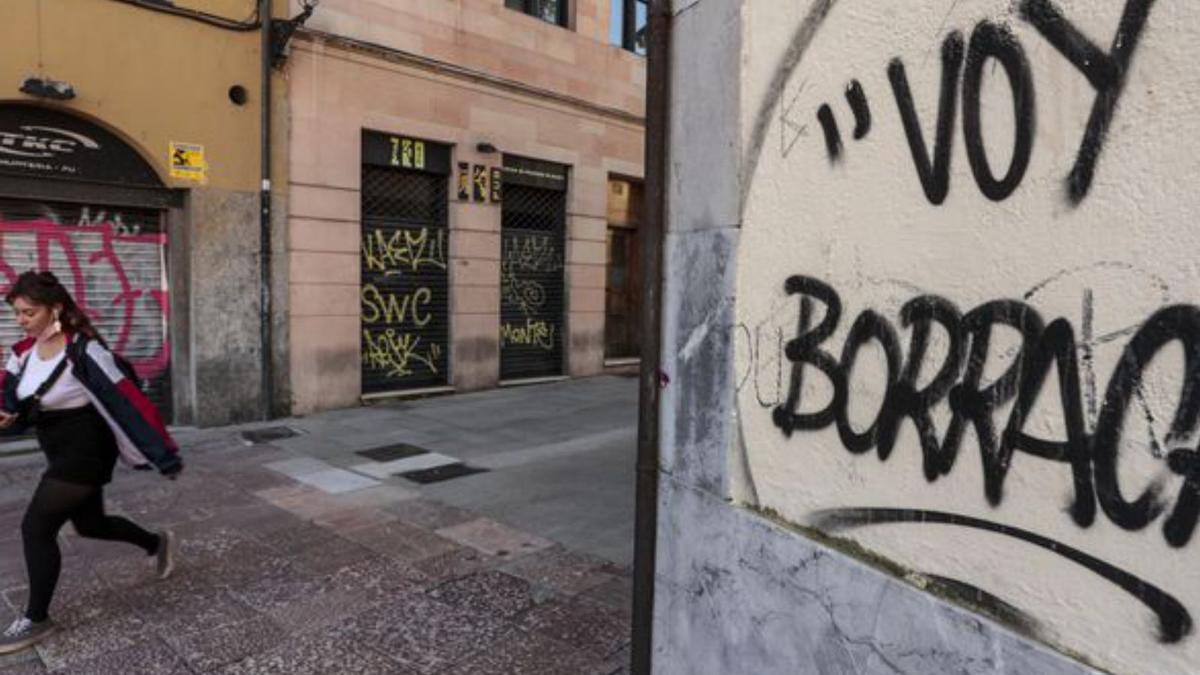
(952, 427)
(130, 167)
(459, 174)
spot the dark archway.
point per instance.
(47, 153)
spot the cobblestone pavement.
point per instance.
(288, 570)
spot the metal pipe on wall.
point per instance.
(264, 13)
(658, 92)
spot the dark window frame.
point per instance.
(532, 7)
(629, 27)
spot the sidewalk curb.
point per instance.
(18, 447)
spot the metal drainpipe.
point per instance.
(658, 48)
(264, 13)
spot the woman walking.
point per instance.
(64, 382)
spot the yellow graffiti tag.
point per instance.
(522, 255)
(398, 353)
(526, 294)
(393, 308)
(404, 249)
(533, 334)
(532, 253)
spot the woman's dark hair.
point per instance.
(43, 288)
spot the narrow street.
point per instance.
(306, 552)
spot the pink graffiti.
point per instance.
(105, 260)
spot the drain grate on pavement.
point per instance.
(389, 453)
(441, 473)
(268, 434)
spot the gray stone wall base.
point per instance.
(737, 593)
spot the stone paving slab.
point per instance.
(300, 466)
(78, 643)
(596, 630)
(430, 515)
(457, 563)
(316, 656)
(443, 636)
(526, 653)
(322, 475)
(400, 542)
(152, 658)
(489, 593)
(428, 460)
(338, 481)
(563, 571)
(280, 573)
(220, 647)
(493, 538)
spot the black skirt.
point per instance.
(79, 445)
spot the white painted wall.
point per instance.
(863, 225)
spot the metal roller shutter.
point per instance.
(405, 279)
(532, 305)
(113, 261)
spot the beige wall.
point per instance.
(458, 73)
(338, 92)
(484, 36)
(1104, 283)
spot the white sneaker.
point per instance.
(23, 633)
(164, 560)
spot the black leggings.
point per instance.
(54, 503)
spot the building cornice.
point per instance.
(467, 74)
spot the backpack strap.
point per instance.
(44, 387)
(54, 375)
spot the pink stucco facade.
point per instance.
(460, 73)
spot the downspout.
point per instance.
(264, 235)
(658, 52)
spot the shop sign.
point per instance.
(535, 173)
(403, 152)
(47, 143)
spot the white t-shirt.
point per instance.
(65, 393)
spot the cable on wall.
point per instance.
(253, 22)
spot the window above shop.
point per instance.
(627, 25)
(550, 11)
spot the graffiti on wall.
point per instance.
(1006, 363)
(392, 252)
(110, 261)
(403, 300)
(1044, 348)
(530, 274)
(991, 41)
(397, 353)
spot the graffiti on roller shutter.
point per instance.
(392, 252)
(397, 305)
(526, 260)
(397, 351)
(91, 256)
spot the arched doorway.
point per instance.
(78, 200)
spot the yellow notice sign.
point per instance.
(187, 162)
